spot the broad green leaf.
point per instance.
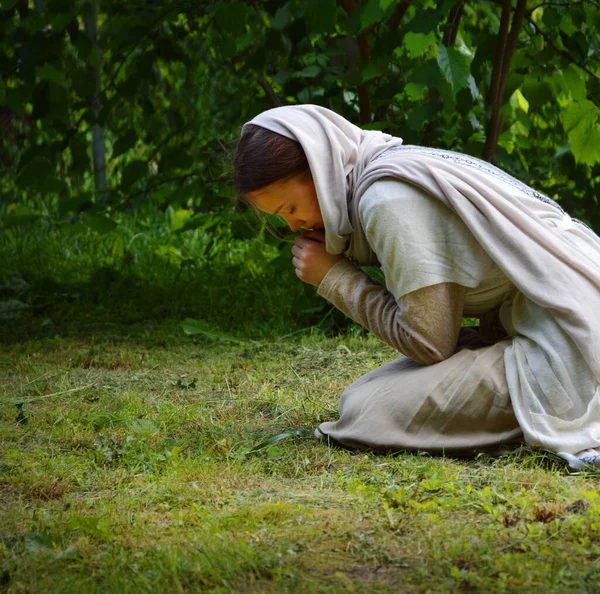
(282, 76)
(9, 4)
(321, 15)
(415, 91)
(374, 11)
(417, 44)
(372, 70)
(566, 24)
(282, 17)
(416, 118)
(576, 44)
(518, 101)
(585, 144)
(575, 82)
(579, 113)
(371, 14)
(580, 121)
(179, 218)
(200, 221)
(308, 72)
(454, 66)
(51, 73)
(134, 171)
(100, 223)
(244, 41)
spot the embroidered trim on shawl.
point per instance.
(482, 166)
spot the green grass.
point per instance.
(126, 466)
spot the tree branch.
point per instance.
(559, 51)
(269, 92)
(454, 23)
(364, 99)
(505, 49)
(398, 14)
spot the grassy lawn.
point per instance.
(128, 463)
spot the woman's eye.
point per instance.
(292, 210)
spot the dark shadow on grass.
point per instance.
(518, 453)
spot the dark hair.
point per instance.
(264, 157)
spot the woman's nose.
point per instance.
(295, 225)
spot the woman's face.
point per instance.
(294, 199)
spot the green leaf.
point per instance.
(372, 70)
(580, 121)
(100, 224)
(2, 91)
(308, 72)
(417, 44)
(518, 101)
(579, 113)
(585, 144)
(51, 73)
(454, 66)
(371, 14)
(574, 82)
(193, 327)
(282, 17)
(9, 4)
(200, 221)
(321, 15)
(180, 217)
(133, 172)
(415, 91)
(243, 41)
(277, 438)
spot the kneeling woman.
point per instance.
(454, 236)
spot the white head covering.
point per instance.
(337, 152)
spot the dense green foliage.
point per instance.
(118, 113)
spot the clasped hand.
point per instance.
(311, 261)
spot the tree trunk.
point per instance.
(505, 49)
(98, 148)
(364, 98)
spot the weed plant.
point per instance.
(235, 280)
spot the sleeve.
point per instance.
(424, 325)
(418, 240)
